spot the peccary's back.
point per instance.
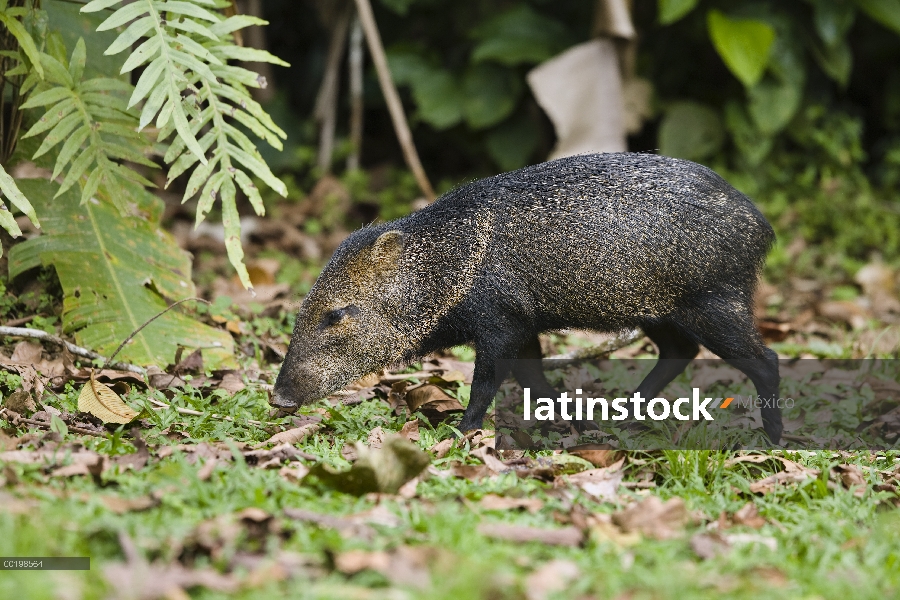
(625, 235)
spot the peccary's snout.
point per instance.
(292, 389)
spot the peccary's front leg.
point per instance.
(490, 371)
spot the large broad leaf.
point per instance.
(519, 35)
(744, 45)
(490, 93)
(73, 26)
(116, 272)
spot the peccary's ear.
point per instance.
(387, 248)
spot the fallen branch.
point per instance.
(160, 405)
(37, 334)
(16, 418)
(599, 351)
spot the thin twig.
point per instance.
(326, 102)
(356, 93)
(196, 413)
(389, 90)
(16, 419)
(147, 322)
(37, 334)
(600, 350)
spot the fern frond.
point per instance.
(92, 122)
(188, 85)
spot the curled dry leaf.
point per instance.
(441, 449)
(602, 484)
(653, 517)
(101, 401)
(291, 436)
(20, 402)
(599, 455)
(410, 430)
(376, 438)
(709, 545)
(433, 402)
(383, 470)
(851, 478)
(748, 515)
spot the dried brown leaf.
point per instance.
(653, 517)
(566, 536)
(495, 502)
(291, 436)
(99, 400)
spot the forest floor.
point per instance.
(373, 493)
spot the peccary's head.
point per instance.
(344, 327)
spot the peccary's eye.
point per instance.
(337, 315)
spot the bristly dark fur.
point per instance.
(602, 242)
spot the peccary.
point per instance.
(603, 242)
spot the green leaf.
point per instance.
(235, 22)
(836, 61)
(519, 36)
(259, 168)
(51, 96)
(690, 130)
(490, 94)
(672, 10)
(9, 189)
(125, 14)
(78, 168)
(250, 55)
(753, 145)
(142, 54)
(91, 185)
(104, 262)
(743, 44)
(98, 5)
(208, 195)
(886, 12)
(58, 133)
(187, 9)
(152, 105)
(252, 192)
(194, 27)
(147, 81)
(132, 33)
(181, 123)
(438, 98)
(72, 145)
(51, 117)
(55, 72)
(773, 104)
(231, 220)
(833, 19)
(197, 179)
(27, 44)
(77, 62)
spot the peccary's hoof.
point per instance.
(470, 424)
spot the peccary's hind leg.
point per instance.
(728, 331)
(676, 351)
(529, 371)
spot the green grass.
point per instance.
(830, 544)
